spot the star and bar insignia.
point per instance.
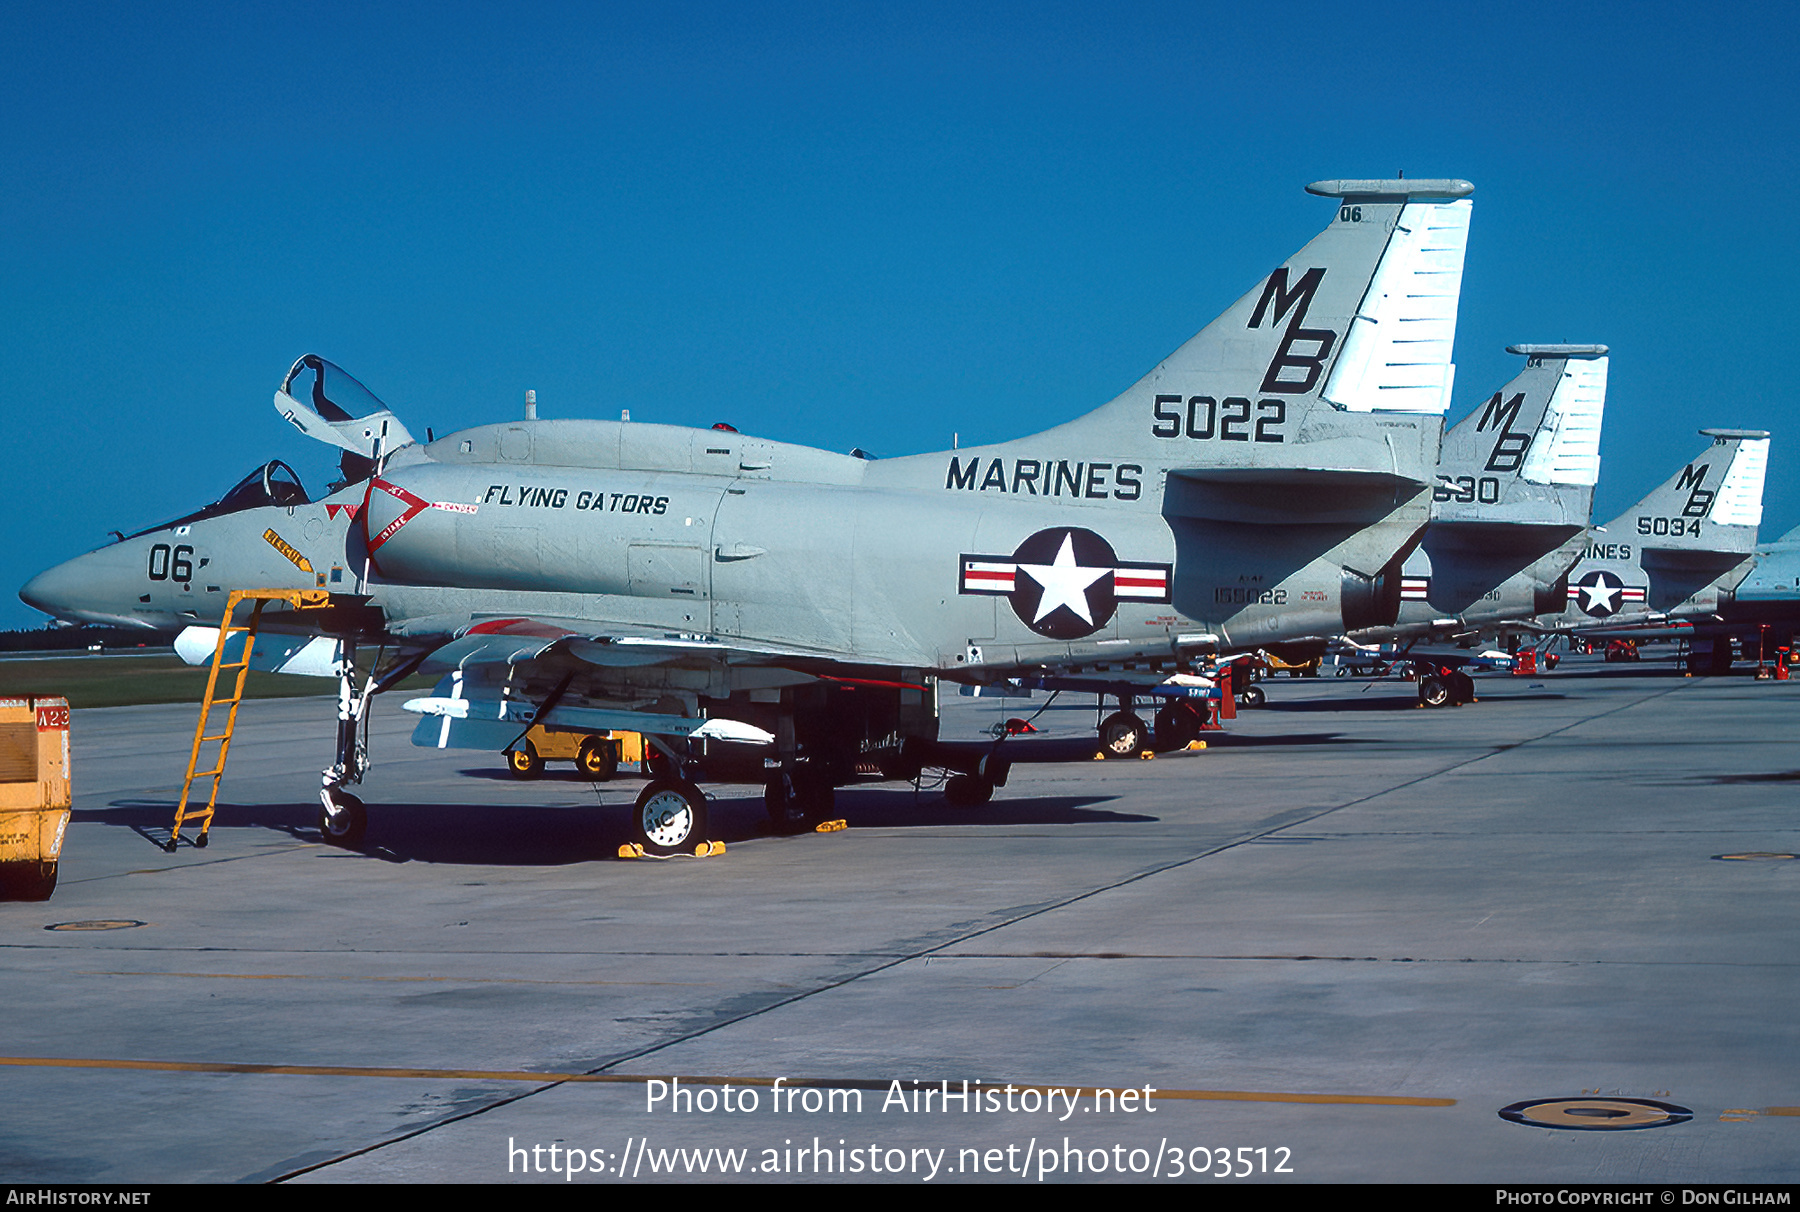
(1065, 582)
(1601, 593)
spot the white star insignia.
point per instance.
(1600, 595)
(1065, 582)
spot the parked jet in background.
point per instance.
(1260, 483)
(1772, 586)
(1678, 552)
(1759, 610)
(1763, 609)
(1509, 515)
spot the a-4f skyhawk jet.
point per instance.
(1261, 483)
(1509, 515)
(1764, 607)
(1674, 557)
(1759, 608)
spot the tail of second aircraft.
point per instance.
(1514, 486)
(1530, 455)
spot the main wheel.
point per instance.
(1123, 735)
(967, 791)
(27, 881)
(342, 818)
(1463, 687)
(817, 797)
(782, 805)
(670, 816)
(1433, 692)
(524, 761)
(1252, 696)
(1176, 725)
(598, 759)
(798, 797)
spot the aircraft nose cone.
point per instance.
(45, 591)
(49, 591)
(87, 589)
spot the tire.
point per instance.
(346, 825)
(967, 791)
(1176, 725)
(782, 805)
(1252, 696)
(27, 881)
(1433, 692)
(817, 797)
(670, 817)
(1462, 687)
(598, 759)
(798, 798)
(524, 761)
(1123, 735)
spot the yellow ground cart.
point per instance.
(595, 754)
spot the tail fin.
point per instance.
(1713, 504)
(1360, 321)
(1531, 454)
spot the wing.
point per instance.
(500, 677)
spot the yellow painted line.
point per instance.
(506, 1075)
(1259, 1096)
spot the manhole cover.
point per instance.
(1596, 1114)
(1750, 856)
(97, 925)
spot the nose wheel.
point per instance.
(342, 817)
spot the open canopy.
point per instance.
(323, 401)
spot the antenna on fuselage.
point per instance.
(530, 404)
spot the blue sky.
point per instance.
(845, 225)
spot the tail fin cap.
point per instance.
(1362, 188)
(1559, 351)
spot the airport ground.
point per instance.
(1339, 941)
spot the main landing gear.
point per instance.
(798, 796)
(1123, 734)
(967, 791)
(670, 816)
(1446, 687)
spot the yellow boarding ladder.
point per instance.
(300, 599)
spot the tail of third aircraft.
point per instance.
(1713, 504)
(1672, 550)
